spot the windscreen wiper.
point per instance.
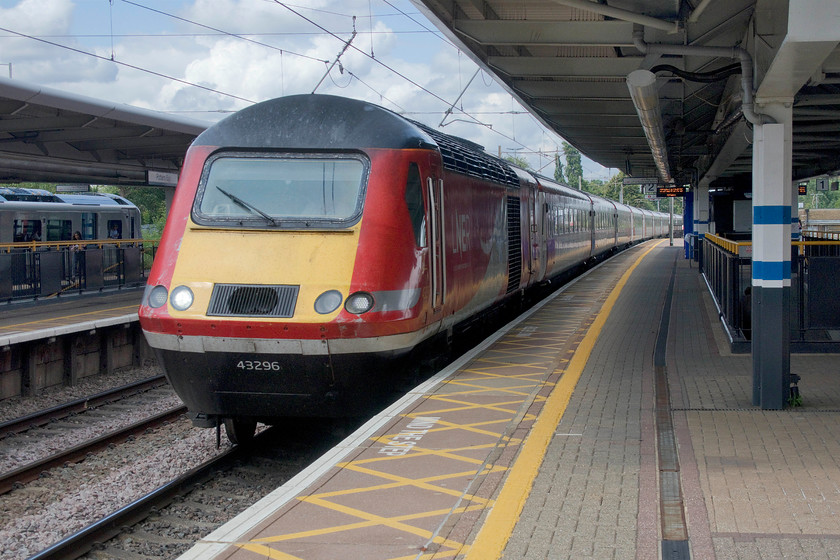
(247, 205)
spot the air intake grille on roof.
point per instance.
(469, 158)
(243, 300)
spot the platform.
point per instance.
(58, 342)
(45, 318)
(593, 427)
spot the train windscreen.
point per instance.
(260, 190)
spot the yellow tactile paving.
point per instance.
(419, 485)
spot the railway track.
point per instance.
(84, 540)
(42, 417)
(52, 418)
(31, 471)
(168, 520)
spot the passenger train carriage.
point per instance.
(38, 215)
(315, 239)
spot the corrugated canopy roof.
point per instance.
(568, 60)
(49, 135)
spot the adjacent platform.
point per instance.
(597, 426)
(58, 342)
(28, 321)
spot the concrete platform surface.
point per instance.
(611, 422)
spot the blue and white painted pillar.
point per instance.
(772, 194)
(701, 209)
(688, 220)
(700, 225)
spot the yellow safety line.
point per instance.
(501, 519)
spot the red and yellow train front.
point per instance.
(286, 281)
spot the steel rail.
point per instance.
(82, 541)
(31, 471)
(17, 425)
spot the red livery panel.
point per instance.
(314, 241)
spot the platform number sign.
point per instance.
(822, 184)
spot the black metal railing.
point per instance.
(46, 269)
(815, 292)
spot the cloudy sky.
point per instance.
(206, 58)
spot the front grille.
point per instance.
(244, 300)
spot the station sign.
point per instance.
(161, 178)
(641, 180)
(671, 191)
(72, 188)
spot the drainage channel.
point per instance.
(672, 510)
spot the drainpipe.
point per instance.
(747, 104)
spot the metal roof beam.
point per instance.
(614, 91)
(623, 15)
(547, 33)
(738, 142)
(26, 124)
(560, 67)
(812, 35)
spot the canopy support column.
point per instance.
(771, 266)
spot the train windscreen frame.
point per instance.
(281, 190)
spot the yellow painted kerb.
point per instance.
(494, 534)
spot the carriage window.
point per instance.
(27, 230)
(88, 225)
(114, 229)
(414, 200)
(260, 191)
(59, 230)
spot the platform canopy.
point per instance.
(568, 61)
(55, 136)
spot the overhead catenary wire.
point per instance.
(223, 32)
(246, 37)
(337, 58)
(127, 65)
(406, 78)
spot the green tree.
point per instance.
(820, 199)
(518, 161)
(574, 166)
(558, 169)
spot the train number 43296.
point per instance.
(249, 365)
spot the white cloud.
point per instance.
(38, 61)
(245, 69)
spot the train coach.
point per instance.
(315, 240)
(28, 215)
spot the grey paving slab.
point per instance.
(756, 484)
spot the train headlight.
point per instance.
(158, 297)
(328, 302)
(358, 303)
(181, 298)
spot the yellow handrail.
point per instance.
(740, 247)
(57, 245)
(731, 246)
